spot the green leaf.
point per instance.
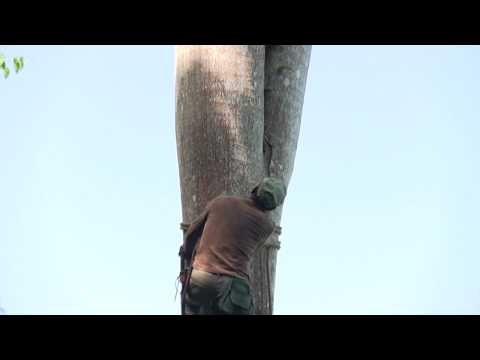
(16, 62)
(6, 71)
(2, 60)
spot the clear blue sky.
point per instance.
(381, 215)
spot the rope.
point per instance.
(184, 226)
(275, 244)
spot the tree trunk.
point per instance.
(221, 117)
(286, 68)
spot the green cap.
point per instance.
(271, 192)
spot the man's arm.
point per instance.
(193, 233)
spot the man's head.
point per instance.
(269, 193)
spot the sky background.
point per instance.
(381, 215)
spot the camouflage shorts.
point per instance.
(213, 294)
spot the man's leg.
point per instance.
(193, 305)
(201, 293)
(236, 298)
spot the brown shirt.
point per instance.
(229, 232)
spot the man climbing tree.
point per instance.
(219, 246)
(238, 111)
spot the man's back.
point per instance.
(234, 229)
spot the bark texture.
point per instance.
(238, 110)
(286, 68)
(219, 122)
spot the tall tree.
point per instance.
(238, 111)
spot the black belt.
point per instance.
(217, 274)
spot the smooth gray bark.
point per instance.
(286, 68)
